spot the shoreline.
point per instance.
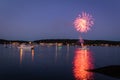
(64, 42)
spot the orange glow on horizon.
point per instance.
(82, 62)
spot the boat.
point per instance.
(26, 46)
(84, 48)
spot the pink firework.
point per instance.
(83, 22)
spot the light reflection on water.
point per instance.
(56, 62)
(22, 52)
(21, 55)
(33, 53)
(82, 62)
(59, 51)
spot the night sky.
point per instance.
(53, 19)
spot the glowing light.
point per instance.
(82, 62)
(33, 53)
(83, 22)
(56, 53)
(21, 55)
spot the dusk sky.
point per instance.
(53, 19)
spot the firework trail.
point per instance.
(83, 23)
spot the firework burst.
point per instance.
(83, 22)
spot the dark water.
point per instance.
(57, 63)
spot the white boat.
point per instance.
(26, 47)
(84, 48)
